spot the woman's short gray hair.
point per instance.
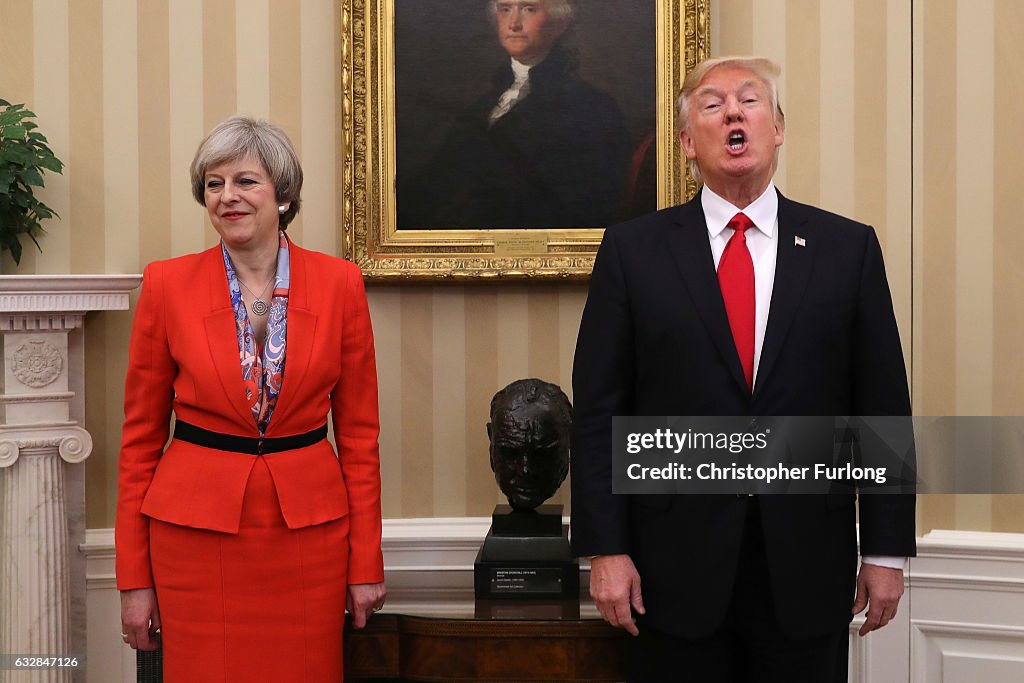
(560, 10)
(241, 136)
(765, 70)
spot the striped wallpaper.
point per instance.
(894, 110)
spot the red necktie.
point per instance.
(736, 278)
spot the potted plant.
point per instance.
(24, 155)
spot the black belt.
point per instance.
(246, 444)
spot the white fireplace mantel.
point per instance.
(43, 444)
(28, 297)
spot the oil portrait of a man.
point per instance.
(523, 113)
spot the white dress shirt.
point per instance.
(763, 244)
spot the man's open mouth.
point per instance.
(737, 140)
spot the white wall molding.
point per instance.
(972, 631)
(962, 582)
(438, 544)
(964, 653)
(972, 544)
(969, 560)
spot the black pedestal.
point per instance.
(526, 556)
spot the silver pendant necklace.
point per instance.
(258, 306)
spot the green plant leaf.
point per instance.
(32, 177)
(15, 247)
(19, 156)
(43, 211)
(15, 131)
(52, 164)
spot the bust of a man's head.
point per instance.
(529, 433)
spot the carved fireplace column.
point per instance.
(42, 446)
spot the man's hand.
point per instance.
(140, 618)
(364, 599)
(880, 589)
(615, 587)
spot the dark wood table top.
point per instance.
(500, 640)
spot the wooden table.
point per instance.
(500, 641)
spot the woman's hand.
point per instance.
(364, 599)
(140, 618)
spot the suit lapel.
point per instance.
(222, 337)
(300, 334)
(792, 272)
(691, 250)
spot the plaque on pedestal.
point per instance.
(518, 560)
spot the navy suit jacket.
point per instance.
(655, 340)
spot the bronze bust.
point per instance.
(529, 433)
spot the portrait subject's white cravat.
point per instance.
(519, 89)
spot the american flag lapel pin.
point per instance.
(799, 241)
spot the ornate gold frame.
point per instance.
(368, 121)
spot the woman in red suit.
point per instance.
(245, 541)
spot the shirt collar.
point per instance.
(519, 70)
(762, 211)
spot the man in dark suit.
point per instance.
(541, 148)
(739, 302)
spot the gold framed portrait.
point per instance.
(489, 140)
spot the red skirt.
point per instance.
(267, 604)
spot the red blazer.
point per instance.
(183, 357)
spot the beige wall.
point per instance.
(902, 139)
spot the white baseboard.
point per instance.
(962, 618)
